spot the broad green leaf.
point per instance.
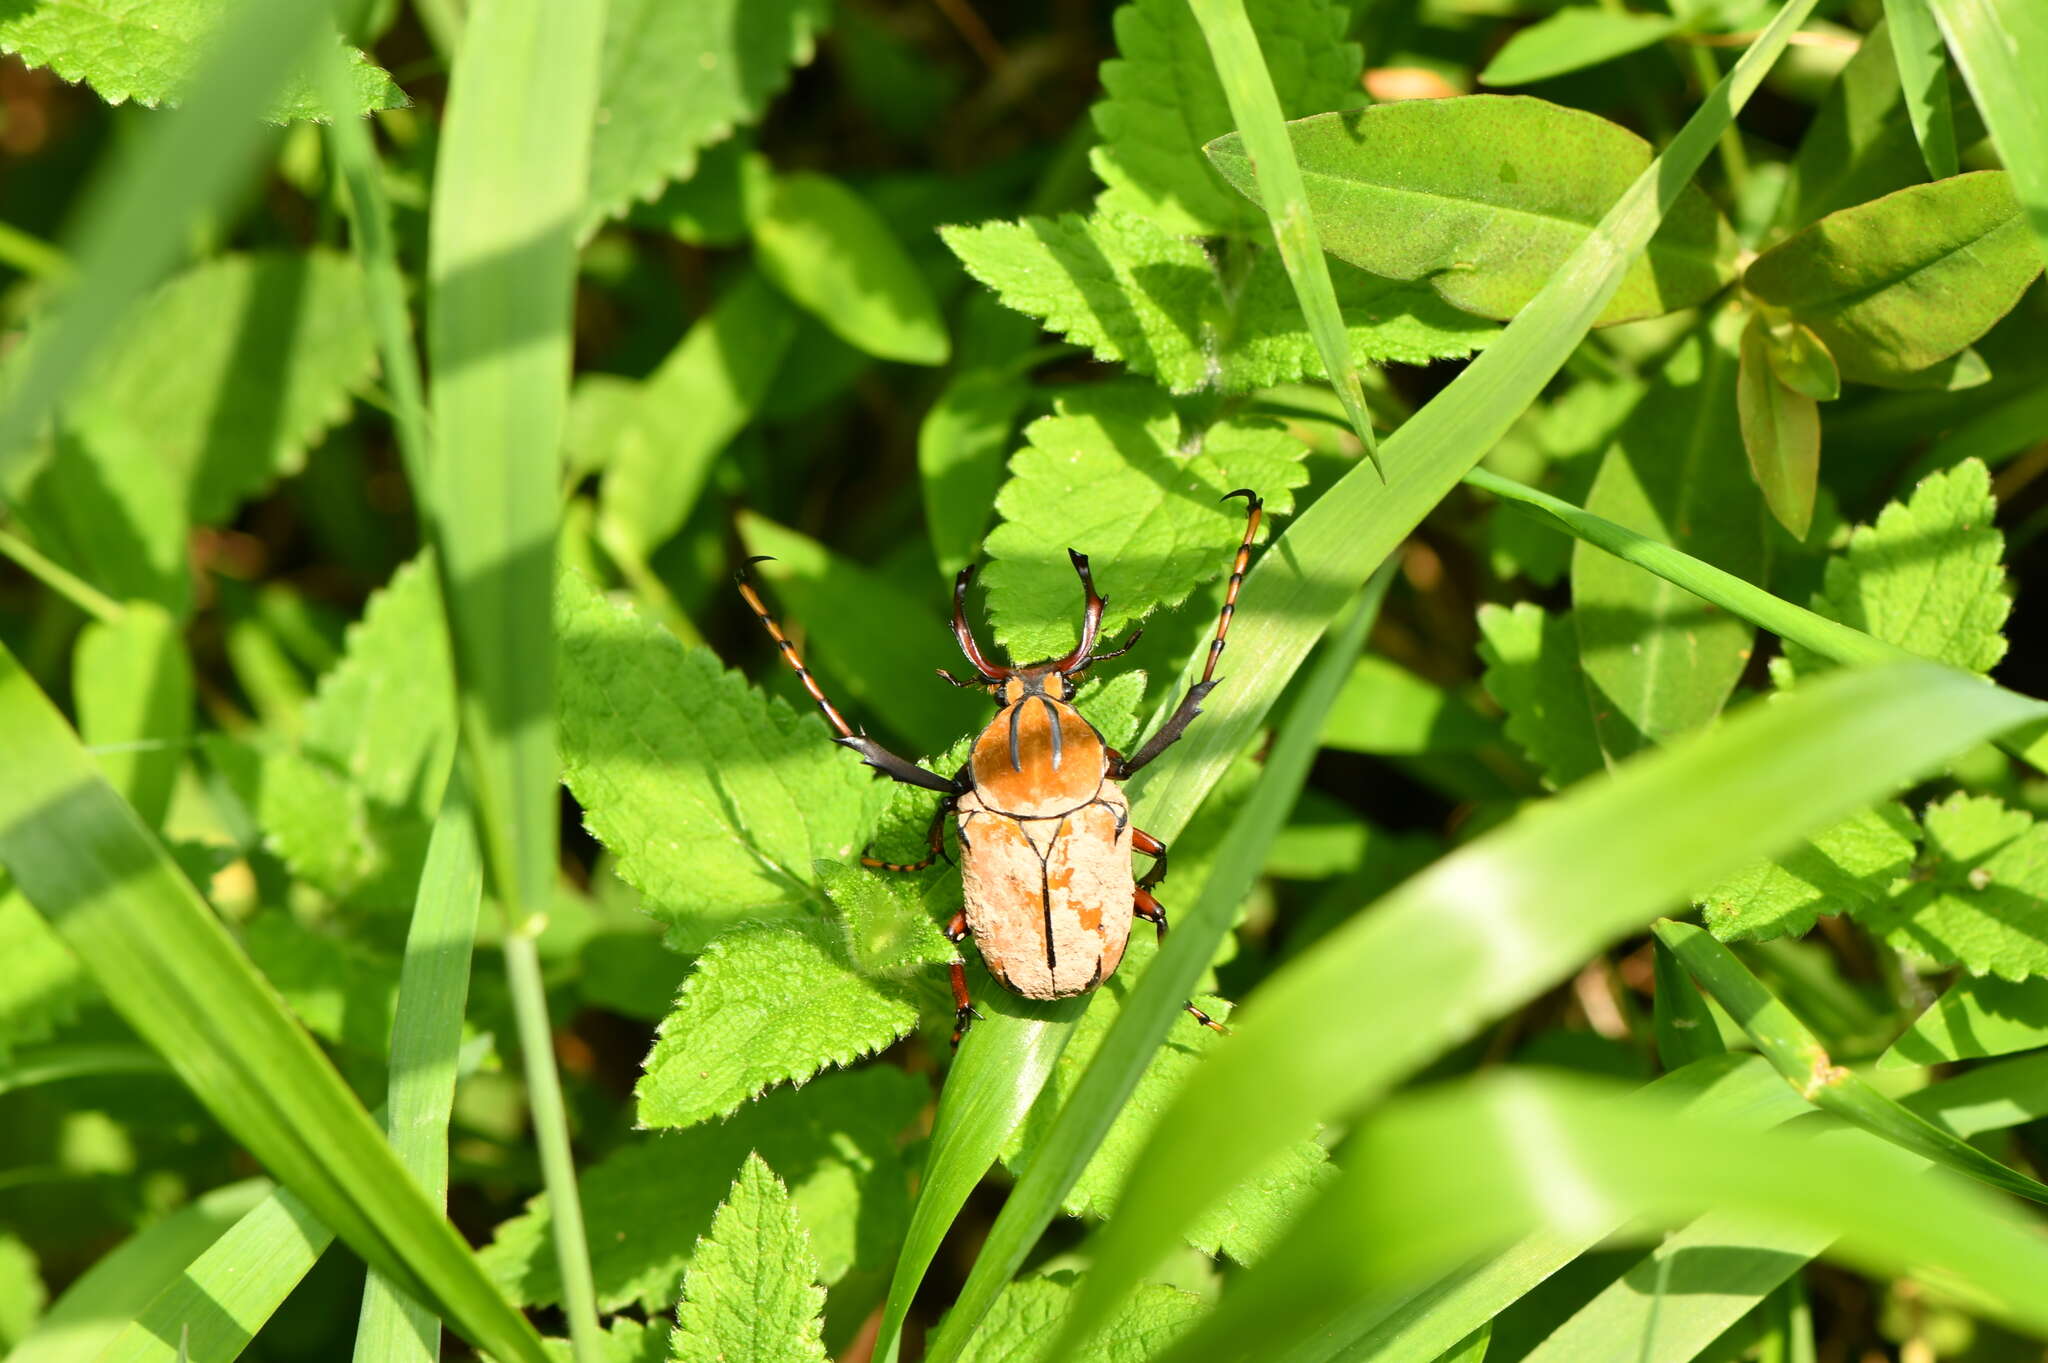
(1926, 576)
(1780, 433)
(1972, 1019)
(43, 985)
(1860, 144)
(648, 1202)
(231, 372)
(1981, 898)
(1032, 1309)
(1574, 38)
(1106, 474)
(132, 683)
(751, 1291)
(107, 504)
(1854, 863)
(1659, 661)
(343, 989)
(1923, 76)
(677, 79)
(349, 805)
(765, 1005)
(1533, 672)
(1132, 292)
(1485, 196)
(1162, 100)
(2002, 48)
(960, 447)
(148, 51)
(831, 253)
(1898, 284)
(715, 800)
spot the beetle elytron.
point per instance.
(1045, 831)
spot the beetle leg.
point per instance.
(1144, 842)
(1211, 1023)
(872, 753)
(935, 838)
(1144, 906)
(1191, 704)
(964, 1014)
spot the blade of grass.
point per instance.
(59, 579)
(2002, 48)
(136, 220)
(426, 1042)
(1141, 1028)
(82, 857)
(50, 1064)
(1923, 76)
(1248, 87)
(508, 192)
(1488, 927)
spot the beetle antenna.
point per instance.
(988, 670)
(1257, 509)
(789, 653)
(1091, 620)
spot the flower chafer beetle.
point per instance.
(1045, 832)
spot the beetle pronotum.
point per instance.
(1045, 832)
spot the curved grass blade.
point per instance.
(51, 1064)
(1248, 87)
(83, 858)
(2002, 48)
(1923, 77)
(1141, 1028)
(1441, 1175)
(1488, 927)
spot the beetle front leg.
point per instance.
(964, 1014)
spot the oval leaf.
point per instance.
(1781, 432)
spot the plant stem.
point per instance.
(63, 581)
(32, 255)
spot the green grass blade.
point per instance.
(1141, 1028)
(1923, 76)
(58, 578)
(1488, 927)
(2002, 48)
(426, 1040)
(1300, 583)
(1248, 86)
(81, 856)
(136, 221)
(508, 192)
(50, 1064)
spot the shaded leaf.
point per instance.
(832, 254)
(106, 505)
(1923, 77)
(751, 1291)
(1981, 899)
(131, 681)
(1573, 39)
(1976, 1017)
(43, 985)
(1780, 433)
(344, 990)
(1533, 672)
(1860, 144)
(1851, 865)
(960, 446)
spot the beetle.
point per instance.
(1044, 829)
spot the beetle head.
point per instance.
(1056, 679)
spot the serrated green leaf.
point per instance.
(1242, 1225)
(1031, 1310)
(1854, 863)
(890, 927)
(1926, 576)
(1163, 100)
(350, 805)
(1484, 196)
(344, 990)
(646, 1204)
(1780, 433)
(1981, 898)
(132, 683)
(752, 1291)
(831, 253)
(1573, 39)
(1901, 283)
(43, 985)
(678, 78)
(1135, 293)
(715, 800)
(232, 370)
(765, 1005)
(107, 506)
(1533, 672)
(145, 50)
(1105, 474)
(1975, 1018)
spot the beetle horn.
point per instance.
(988, 670)
(1091, 622)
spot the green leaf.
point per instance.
(1032, 1309)
(1981, 897)
(231, 371)
(148, 51)
(1658, 661)
(1860, 144)
(823, 246)
(22, 1294)
(44, 985)
(1898, 284)
(1105, 474)
(107, 504)
(764, 1006)
(2002, 48)
(1533, 672)
(1802, 363)
(716, 800)
(344, 990)
(648, 1202)
(1384, 708)
(1923, 76)
(1852, 864)
(349, 805)
(678, 79)
(1974, 1018)
(132, 683)
(960, 448)
(1573, 39)
(1132, 292)
(1163, 100)
(751, 1291)
(1926, 577)
(890, 928)
(1484, 196)
(1780, 433)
